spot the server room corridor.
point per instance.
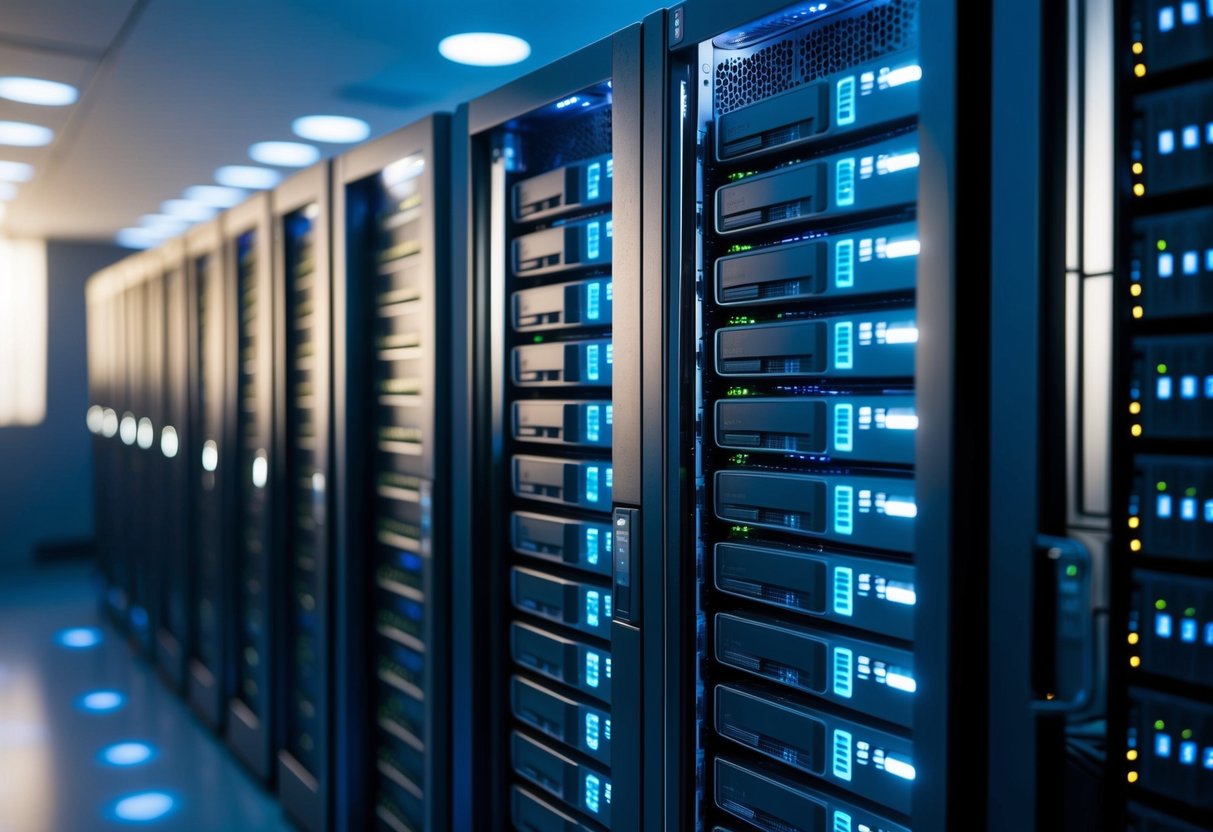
(90, 737)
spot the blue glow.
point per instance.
(610, 351)
(1191, 262)
(900, 768)
(1166, 19)
(1162, 745)
(1189, 13)
(844, 182)
(844, 333)
(1187, 509)
(591, 608)
(1208, 763)
(1163, 506)
(592, 731)
(593, 301)
(844, 509)
(901, 681)
(591, 483)
(592, 233)
(1187, 753)
(591, 546)
(1191, 137)
(845, 101)
(1187, 631)
(592, 664)
(844, 587)
(610, 289)
(591, 362)
(1164, 388)
(610, 229)
(1166, 265)
(1209, 129)
(843, 419)
(101, 701)
(593, 792)
(127, 753)
(214, 196)
(144, 806)
(1209, 634)
(840, 765)
(1162, 625)
(593, 174)
(844, 263)
(1166, 142)
(606, 605)
(592, 419)
(1209, 387)
(247, 176)
(79, 638)
(844, 669)
(334, 129)
(139, 618)
(842, 822)
(1209, 511)
(1187, 387)
(610, 477)
(284, 154)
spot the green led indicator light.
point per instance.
(1162, 368)
(1191, 492)
(1159, 725)
(1162, 486)
(538, 339)
(1186, 733)
(1160, 604)
(1190, 612)
(1162, 245)
(1071, 571)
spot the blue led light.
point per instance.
(1191, 262)
(592, 731)
(1166, 19)
(844, 586)
(591, 545)
(1209, 251)
(610, 288)
(1162, 625)
(592, 420)
(844, 670)
(844, 509)
(1166, 142)
(144, 806)
(1209, 634)
(844, 101)
(592, 665)
(840, 764)
(1191, 137)
(1187, 631)
(1187, 753)
(844, 182)
(610, 477)
(78, 638)
(844, 334)
(1164, 388)
(1209, 511)
(593, 301)
(592, 176)
(1162, 745)
(611, 412)
(610, 353)
(844, 263)
(1209, 129)
(101, 701)
(1209, 387)
(1187, 509)
(127, 753)
(843, 419)
(593, 792)
(1187, 387)
(592, 232)
(1208, 762)
(842, 822)
(1189, 13)
(1166, 265)
(591, 608)
(591, 362)
(1162, 506)
(591, 483)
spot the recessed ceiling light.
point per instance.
(138, 238)
(247, 176)
(16, 172)
(284, 154)
(144, 806)
(127, 753)
(334, 129)
(79, 637)
(163, 225)
(7, 191)
(100, 701)
(187, 210)
(21, 134)
(484, 49)
(38, 91)
(215, 196)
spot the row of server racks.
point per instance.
(664, 441)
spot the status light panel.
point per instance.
(559, 416)
(808, 249)
(1163, 453)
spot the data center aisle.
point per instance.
(71, 695)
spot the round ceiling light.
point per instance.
(187, 210)
(332, 129)
(216, 196)
(16, 172)
(247, 176)
(138, 238)
(484, 49)
(22, 134)
(163, 225)
(284, 154)
(7, 191)
(38, 91)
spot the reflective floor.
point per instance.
(130, 753)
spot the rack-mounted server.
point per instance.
(1161, 752)
(391, 364)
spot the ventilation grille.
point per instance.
(561, 140)
(883, 28)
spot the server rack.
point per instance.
(1160, 718)
(302, 265)
(821, 444)
(391, 378)
(555, 670)
(176, 450)
(253, 583)
(212, 473)
(139, 480)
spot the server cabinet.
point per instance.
(212, 473)
(556, 685)
(302, 305)
(391, 366)
(820, 443)
(173, 444)
(253, 584)
(135, 430)
(1160, 719)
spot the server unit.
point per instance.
(212, 474)
(819, 519)
(391, 366)
(554, 181)
(172, 443)
(302, 269)
(1161, 720)
(253, 584)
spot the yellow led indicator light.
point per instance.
(1135, 408)
(1136, 430)
(1134, 638)
(1134, 522)
(1135, 289)
(1132, 755)
(1137, 167)
(1135, 545)
(1138, 311)
(1139, 70)
(1139, 189)
(1135, 661)
(1138, 48)
(1132, 776)
(1162, 245)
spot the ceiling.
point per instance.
(173, 89)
